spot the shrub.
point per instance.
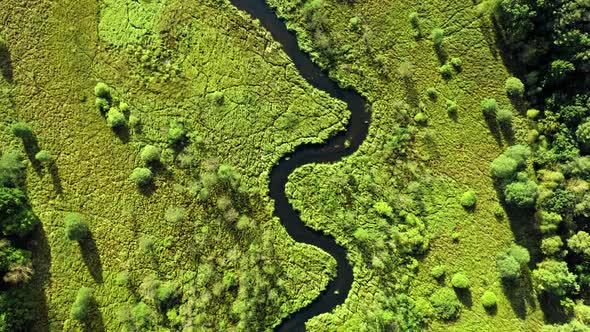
(22, 130)
(489, 299)
(81, 308)
(141, 176)
(456, 236)
(446, 71)
(134, 121)
(16, 217)
(445, 304)
(514, 87)
(508, 267)
(468, 199)
(165, 294)
(102, 104)
(489, 106)
(150, 154)
(244, 222)
(75, 227)
(503, 167)
(176, 133)
(218, 98)
(452, 108)
(457, 63)
(175, 214)
(354, 23)
(414, 19)
(521, 194)
(432, 93)
(504, 117)
(122, 279)
(438, 271)
(102, 90)
(43, 156)
(383, 208)
(116, 119)
(406, 70)
(460, 281)
(519, 153)
(223, 203)
(421, 118)
(438, 36)
(227, 174)
(11, 168)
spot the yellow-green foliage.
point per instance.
(235, 269)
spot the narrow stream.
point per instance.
(330, 151)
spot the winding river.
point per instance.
(330, 151)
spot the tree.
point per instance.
(489, 299)
(438, 271)
(175, 215)
(521, 194)
(445, 304)
(520, 254)
(102, 90)
(75, 227)
(438, 36)
(583, 135)
(383, 209)
(446, 71)
(514, 88)
(580, 243)
(43, 156)
(519, 153)
(504, 167)
(11, 168)
(22, 130)
(141, 176)
(468, 199)
(489, 106)
(150, 154)
(16, 217)
(457, 63)
(81, 307)
(227, 174)
(460, 281)
(554, 278)
(176, 133)
(508, 267)
(116, 119)
(551, 246)
(504, 118)
(406, 71)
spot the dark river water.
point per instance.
(330, 151)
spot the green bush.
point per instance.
(438, 36)
(384, 209)
(421, 118)
(460, 281)
(514, 87)
(580, 243)
(11, 168)
(75, 227)
(532, 113)
(116, 119)
(176, 133)
(445, 304)
(134, 121)
(22, 130)
(175, 214)
(468, 199)
(504, 117)
(102, 104)
(227, 174)
(150, 154)
(489, 299)
(446, 71)
(438, 271)
(102, 90)
(519, 153)
(218, 98)
(432, 93)
(81, 307)
(414, 19)
(406, 70)
(16, 217)
(583, 135)
(457, 63)
(489, 106)
(551, 246)
(520, 254)
(141, 176)
(452, 108)
(43, 156)
(354, 23)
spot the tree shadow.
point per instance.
(31, 145)
(147, 189)
(464, 295)
(412, 95)
(517, 301)
(494, 128)
(41, 264)
(492, 311)
(94, 322)
(552, 310)
(55, 178)
(91, 258)
(6, 64)
(123, 133)
(508, 133)
(441, 54)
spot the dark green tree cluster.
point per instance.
(17, 221)
(509, 169)
(511, 263)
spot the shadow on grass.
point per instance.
(55, 178)
(520, 294)
(508, 133)
(464, 295)
(492, 311)
(6, 64)
(94, 322)
(494, 128)
(123, 133)
(552, 310)
(91, 258)
(41, 277)
(441, 54)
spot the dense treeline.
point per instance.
(549, 41)
(17, 221)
